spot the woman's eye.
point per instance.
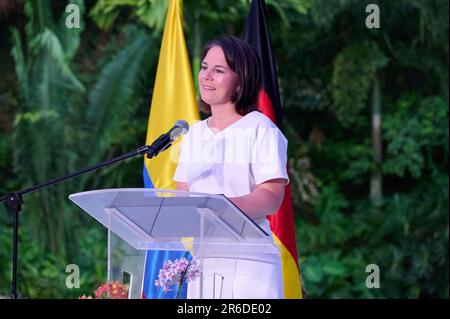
(219, 71)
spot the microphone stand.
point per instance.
(14, 200)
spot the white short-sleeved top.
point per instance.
(233, 161)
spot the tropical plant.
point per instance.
(63, 124)
(345, 232)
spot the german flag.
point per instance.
(256, 33)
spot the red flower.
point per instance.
(109, 290)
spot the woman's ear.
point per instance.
(238, 85)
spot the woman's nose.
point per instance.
(207, 75)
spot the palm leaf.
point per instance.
(110, 99)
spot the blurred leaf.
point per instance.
(335, 268)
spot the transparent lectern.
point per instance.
(141, 219)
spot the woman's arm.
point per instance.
(264, 200)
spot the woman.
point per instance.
(240, 153)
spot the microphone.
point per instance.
(165, 140)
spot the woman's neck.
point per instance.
(223, 116)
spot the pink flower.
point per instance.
(176, 273)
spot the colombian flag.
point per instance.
(173, 99)
(256, 33)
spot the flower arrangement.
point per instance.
(109, 290)
(176, 273)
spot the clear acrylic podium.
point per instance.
(141, 219)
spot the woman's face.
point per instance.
(217, 82)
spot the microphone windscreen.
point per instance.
(183, 124)
(181, 127)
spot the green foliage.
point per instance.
(407, 238)
(149, 12)
(324, 12)
(48, 89)
(303, 182)
(354, 71)
(416, 128)
(110, 100)
(342, 232)
(43, 275)
(352, 163)
(64, 126)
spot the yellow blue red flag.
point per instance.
(173, 99)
